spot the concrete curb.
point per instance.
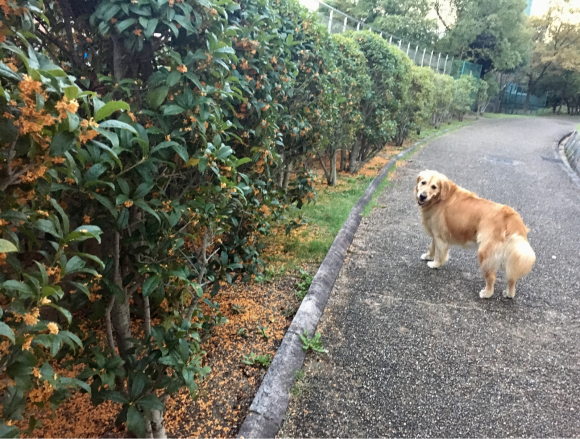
(561, 151)
(271, 401)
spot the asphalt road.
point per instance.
(414, 351)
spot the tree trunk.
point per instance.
(120, 314)
(281, 174)
(343, 157)
(287, 175)
(354, 154)
(333, 168)
(157, 428)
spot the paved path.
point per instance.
(414, 351)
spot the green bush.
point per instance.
(352, 84)
(465, 92)
(416, 109)
(390, 72)
(444, 87)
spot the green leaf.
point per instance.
(74, 265)
(243, 160)
(173, 78)
(63, 215)
(124, 185)
(116, 396)
(63, 311)
(7, 246)
(143, 190)
(171, 110)
(123, 25)
(163, 145)
(106, 202)
(182, 152)
(95, 171)
(135, 421)
(61, 143)
(6, 331)
(9, 431)
(71, 92)
(109, 108)
(138, 385)
(73, 337)
(143, 205)
(151, 402)
(8, 73)
(157, 96)
(226, 49)
(14, 285)
(47, 226)
(117, 124)
(151, 26)
(150, 285)
(123, 219)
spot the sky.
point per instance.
(539, 7)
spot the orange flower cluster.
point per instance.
(65, 105)
(33, 121)
(87, 130)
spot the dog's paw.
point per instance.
(433, 264)
(426, 257)
(485, 294)
(507, 295)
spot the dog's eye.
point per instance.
(433, 187)
(424, 182)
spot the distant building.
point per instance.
(528, 9)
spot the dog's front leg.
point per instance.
(441, 252)
(431, 253)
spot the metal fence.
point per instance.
(514, 97)
(338, 22)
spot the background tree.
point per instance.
(556, 37)
(406, 19)
(491, 33)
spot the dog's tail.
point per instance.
(519, 257)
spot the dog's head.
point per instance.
(432, 187)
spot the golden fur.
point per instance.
(452, 215)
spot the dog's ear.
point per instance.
(445, 188)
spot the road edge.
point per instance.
(560, 147)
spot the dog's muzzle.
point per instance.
(422, 199)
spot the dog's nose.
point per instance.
(423, 196)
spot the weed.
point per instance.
(262, 330)
(300, 386)
(255, 360)
(238, 309)
(243, 332)
(269, 274)
(303, 285)
(313, 343)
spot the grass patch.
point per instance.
(300, 388)
(310, 243)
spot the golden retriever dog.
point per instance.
(452, 215)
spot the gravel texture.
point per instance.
(414, 351)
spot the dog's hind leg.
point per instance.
(489, 265)
(431, 253)
(510, 291)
